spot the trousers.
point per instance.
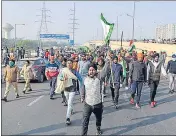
(70, 97)
(27, 85)
(136, 86)
(88, 109)
(8, 85)
(172, 81)
(153, 87)
(52, 85)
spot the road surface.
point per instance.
(35, 114)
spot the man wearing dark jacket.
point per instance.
(116, 72)
(171, 68)
(154, 70)
(137, 76)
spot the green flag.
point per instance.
(107, 27)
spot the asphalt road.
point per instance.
(35, 114)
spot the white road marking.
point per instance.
(30, 104)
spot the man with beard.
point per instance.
(115, 74)
(137, 76)
(92, 97)
(171, 68)
(154, 70)
(100, 67)
(83, 67)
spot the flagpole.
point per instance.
(121, 39)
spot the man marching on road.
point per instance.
(137, 76)
(11, 76)
(92, 97)
(116, 73)
(51, 72)
(28, 75)
(171, 68)
(154, 70)
(71, 77)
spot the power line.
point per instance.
(73, 22)
(43, 22)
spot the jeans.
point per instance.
(136, 86)
(52, 85)
(115, 94)
(88, 109)
(172, 81)
(153, 87)
(70, 97)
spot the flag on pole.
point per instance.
(107, 27)
(132, 46)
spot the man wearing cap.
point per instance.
(51, 72)
(171, 69)
(154, 70)
(92, 97)
(137, 76)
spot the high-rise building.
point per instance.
(167, 31)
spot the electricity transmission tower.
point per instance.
(73, 22)
(43, 29)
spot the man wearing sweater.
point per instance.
(92, 97)
(171, 68)
(137, 76)
(154, 70)
(51, 72)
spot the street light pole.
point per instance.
(15, 33)
(117, 27)
(15, 37)
(133, 20)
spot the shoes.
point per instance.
(68, 121)
(138, 106)
(116, 106)
(171, 91)
(126, 88)
(132, 101)
(4, 99)
(99, 132)
(152, 105)
(155, 103)
(65, 104)
(30, 90)
(17, 96)
(104, 95)
(24, 92)
(51, 98)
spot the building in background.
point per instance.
(167, 31)
(7, 28)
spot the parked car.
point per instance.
(173, 41)
(38, 68)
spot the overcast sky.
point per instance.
(88, 15)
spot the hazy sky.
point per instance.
(88, 15)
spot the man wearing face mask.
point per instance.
(154, 70)
(171, 69)
(137, 77)
(92, 97)
(11, 76)
(28, 75)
